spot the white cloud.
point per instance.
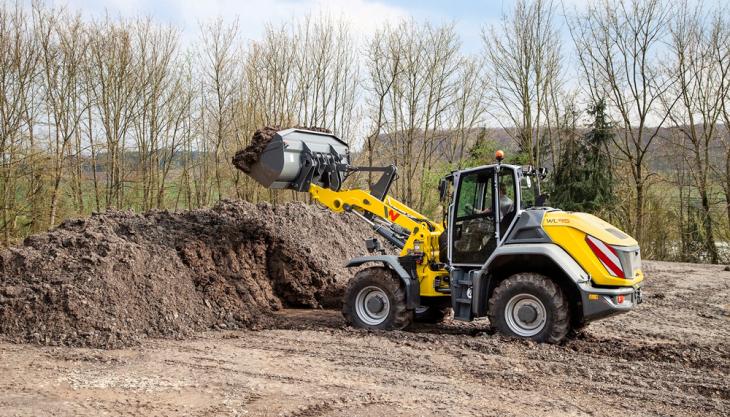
(364, 16)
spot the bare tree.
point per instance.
(115, 93)
(156, 130)
(19, 58)
(220, 59)
(62, 43)
(721, 53)
(469, 107)
(383, 62)
(524, 63)
(418, 100)
(443, 61)
(701, 84)
(617, 44)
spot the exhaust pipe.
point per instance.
(296, 158)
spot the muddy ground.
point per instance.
(669, 357)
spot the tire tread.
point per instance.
(382, 277)
(560, 325)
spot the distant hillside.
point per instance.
(663, 150)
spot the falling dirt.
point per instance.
(248, 156)
(671, 356)
(111, 280)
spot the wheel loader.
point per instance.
(536, 272)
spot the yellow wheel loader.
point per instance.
(536, 272)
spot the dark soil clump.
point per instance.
(112, 279)
(251, 154)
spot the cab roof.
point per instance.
(481, 167)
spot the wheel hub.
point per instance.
(372, 305)
(375, 304)
(527, 314)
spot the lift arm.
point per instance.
(317, 162)
(421, 233)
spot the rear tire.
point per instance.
(375, 299)
(530, 306)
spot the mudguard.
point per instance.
(413, 295)
(601, 305)
(482, 284)
(550, 250)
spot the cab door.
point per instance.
(472, 225)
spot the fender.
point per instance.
(559, 257)
(413, 296)
(550, 250)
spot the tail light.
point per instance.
(607, 255)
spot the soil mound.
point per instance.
(110, 280)
(251, 154)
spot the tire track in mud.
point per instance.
(665, 358)
(674, 370)
(343, 402)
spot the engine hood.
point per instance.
(589, 224)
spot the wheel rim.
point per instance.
(525, 315)
(372, 305)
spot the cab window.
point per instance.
(474, 224)
(507, 197)
(506, 192)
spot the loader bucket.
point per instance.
(295, 158)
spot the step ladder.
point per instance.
(461, 294)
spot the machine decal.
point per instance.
(391, 214)
(607, 255)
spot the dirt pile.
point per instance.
(112, 279)
(251, 154)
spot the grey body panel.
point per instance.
(528, 228)
(552, 251)
(412, 286)
(481, 280)
(604, 306)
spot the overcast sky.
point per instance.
(363, 15)
(469, 16)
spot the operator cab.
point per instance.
(484, 204)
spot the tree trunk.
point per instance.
(639, 210)
(710, 246)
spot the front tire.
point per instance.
(375, 299)
(530, 306)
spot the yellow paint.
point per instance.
(396, 212)
(568, 230)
